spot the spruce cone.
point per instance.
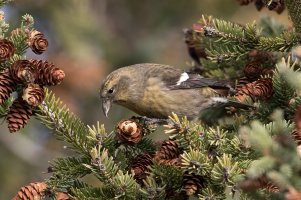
(18, 115)
(298, 118)
(33, 94)
(33, 191)
(297, 137)
(260, 89)
(244, 91)
(259, 4)
(260, 56)
(192, 183)
(297, 132)
(195, 50)
(169, 150)
(173, 195)
(174, 161)
(23, 71)
(280, 8)
(263, 88)
(129, 131)
(37, 42)
(7, 49)
(140, 165)
(6, 85)
(293, 195)
(169, 153)
(267, 72)
(62, 196)
(258, 183)
(241, 83)
(252, 70)
(276, 5)
(47, 73)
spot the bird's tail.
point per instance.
(217, 108)
(224, 102)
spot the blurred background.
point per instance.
(88, 39)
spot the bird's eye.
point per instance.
(110, 91)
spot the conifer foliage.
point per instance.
(249, 154)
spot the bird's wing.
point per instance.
(184, 80)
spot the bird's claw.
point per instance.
(147, 120)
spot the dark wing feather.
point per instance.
(170, 76)
(197, 81)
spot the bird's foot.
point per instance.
(154, 121)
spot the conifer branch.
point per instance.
(70, 166)
(4, 2)
(4, 108)
(66, 125)
(199, 159)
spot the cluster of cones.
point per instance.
(275, 5)
(37, 190)
(131, 132)
(27, 78)
(256, 84)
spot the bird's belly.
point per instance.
(161, 103)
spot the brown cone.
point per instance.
(195, 50)
(277, 6)
(140, 165)
(129, 131)
(297, 118)
(47, 73)
(259, 4)
(252, 70)
(7, 49)
(33, 94)
(242, 82)
(267, 72)
(18, 115)
(7, 85)
(297, 137)
(169, 150)
(297, 132)
(280, 8)
(293, 195)
(33, 191)
(23, 72)
(258, 183)
(169, 153)
(62, 196)
(263, 88)
(242, 89)
(192, 183)
(174, 161)
(37, 42)
(260, 56)
(258, 90)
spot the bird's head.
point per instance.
(114, 89)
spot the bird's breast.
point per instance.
(159, 102)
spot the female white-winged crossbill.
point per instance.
(156, 90)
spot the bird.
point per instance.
(157, 90)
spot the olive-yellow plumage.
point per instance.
(155, 91)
